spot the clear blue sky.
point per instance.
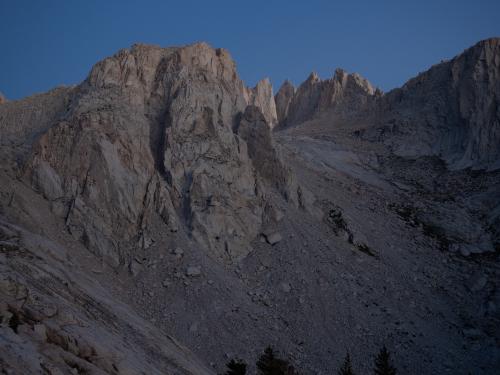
(45, 43)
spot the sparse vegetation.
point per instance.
(409, 214)
(270, 364)
(336, 219)
(14, 322)
(236, 367)
(383, 363)
(346, 368)
(367, 250)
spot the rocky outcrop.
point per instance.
(451, 111)
(282, 99)
(21, 121)
(150, 134)
(159, 122)
(305, 101)
(261, 96)
(44, 327)
(344, 94)
(253, 128)
(273, 173)
(2, 98)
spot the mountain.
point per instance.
(160, 125)
(161, 201)
(450, 111)
(458, 117)
(343, 94)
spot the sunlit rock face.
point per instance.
(262, 97)
(150, 132)
(344, 94)
(451, 111)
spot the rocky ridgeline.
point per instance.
(451, 111)
(344, 94)
(157, 132)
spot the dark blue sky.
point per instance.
(48, 43)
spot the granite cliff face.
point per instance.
(282, 99)
(261, 96)
(159, 123)
(451, 111)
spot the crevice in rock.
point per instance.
(14, 321)
(157, 143)
(186, 200)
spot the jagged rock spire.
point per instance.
(343, 93)
(283, 98)
(262, 96)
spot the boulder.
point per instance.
(135, 267)
(193, 271)
(273, 238)
(286, 287)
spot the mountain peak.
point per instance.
(283, 99)
(488, 42)
(287, 83)
(142, 66)
(340, 74)
(342, 93)
(313, 78)
(262, 96)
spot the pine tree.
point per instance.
(267, 362)
(236, 367)
(346, 368)
(270, 364)
(383, 365)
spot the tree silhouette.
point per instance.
(383, 365)
(236, 367)
(346, 368)
(270, 364)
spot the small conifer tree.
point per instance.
(383, 364)
(270, 364)
(346, 368)
(236, 367)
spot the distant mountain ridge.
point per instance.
(451, 111)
